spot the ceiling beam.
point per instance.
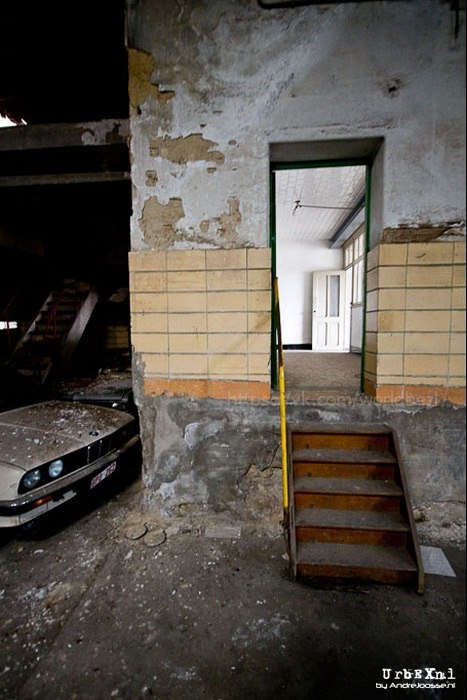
(349, 224)
(106, 132)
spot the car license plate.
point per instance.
(103, 475)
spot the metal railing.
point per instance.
(282, 404)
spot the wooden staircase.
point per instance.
(54, 334)
(350, 515)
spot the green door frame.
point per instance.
(306, 165)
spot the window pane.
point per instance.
(334, 287)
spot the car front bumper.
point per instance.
(30, 506)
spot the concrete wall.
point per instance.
(213, 84)
(295, 265)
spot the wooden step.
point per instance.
(351, 526)
(343, 470)
(360, 487)
(363, 520)
(353, 561)
(343, 456)
(340, 441)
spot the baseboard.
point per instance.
(305, 346)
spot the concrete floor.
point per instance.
(94, 609)
(321, 374)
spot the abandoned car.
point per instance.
(52, 451)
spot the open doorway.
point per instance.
(319, 239)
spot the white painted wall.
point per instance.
(244, 78)
(296, 263)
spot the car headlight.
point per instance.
(32, 478)
(55, 468)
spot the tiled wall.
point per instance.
(201, 320)
(415, 322)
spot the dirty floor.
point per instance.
(103, 603)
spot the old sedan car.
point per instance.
(52, 451)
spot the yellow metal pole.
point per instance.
(285, 481)
(282, 403)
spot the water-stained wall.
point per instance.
(216, 86)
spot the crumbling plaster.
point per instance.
(238, 79)
(242, 78)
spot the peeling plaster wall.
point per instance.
(212, 84)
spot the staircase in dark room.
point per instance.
(51, 339)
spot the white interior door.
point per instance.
(328, 311)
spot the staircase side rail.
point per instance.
(78, 327)
(32, 326)
(282, 406)
(415, 547)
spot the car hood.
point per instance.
(33, 435)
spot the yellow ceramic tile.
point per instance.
(393, 254)
(233, 343)
(185, 302)
(191, 343)
(458, 298)
(458, 321)
(389, 365)
(226, 301)
(372, 258)
(457, 343)
(149, 323)
(459, 276)
(228, 322)
(424, 299)
(428, 343)
(391, 321)
(259, 322)
(391, 299)
(258, 364)
(372, 280)
(370, 362)
(429, 276)
(390, 342)
(371, 320)
(186, 281)
(259, 342)
(436, 321)
(150, 342)
(236, 365)
(148, 282)
(457, 366)
(226, 259)
(186, 259)
(426, 365)
(259, 258)
(459, 252)
(372, 301)
(188, 365)
(148, 302)
(259, 301)
(187, 323)
(147, 260)
(259, 279)
(435, 253)
(226, 280)
(392, 277)
(156, 364)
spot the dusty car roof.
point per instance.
(32, 435)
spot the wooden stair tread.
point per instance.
(344, 456)
(355, 556)
(351, 519)
(369, 487)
